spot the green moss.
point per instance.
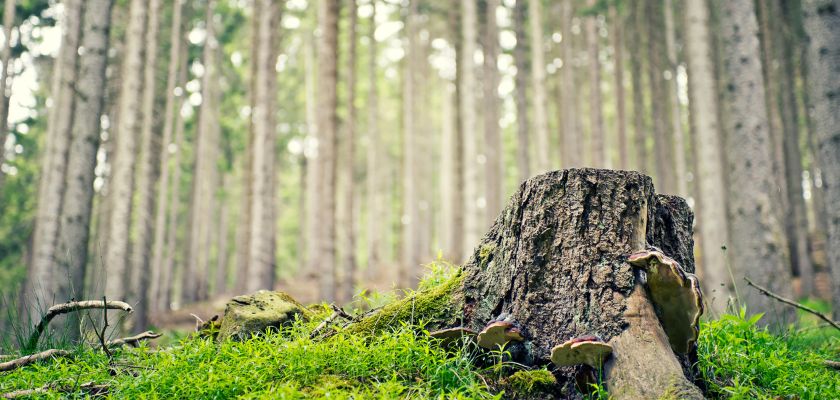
(252, 314)
(436, 306)
(485, 254)
(530, 382)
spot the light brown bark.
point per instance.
(469, 123)
(663, 144)
(375, 189)
(674, 98)
(640, 133)
(348, 169)
(618, 61)
(410, 249)
(597, 144)
(540, 100)
(493, 167)
(520, 55)
(572, 149)
(5, 79)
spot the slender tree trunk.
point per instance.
(572, 148)
(220, 286)
(155, 289)
(410, 196)
(148, 174)
(125, 155)
(327, 127)
(674, 97)
(520, 54)
(89, 92)
(597, 150)
(540, 101)
(5, 79)
(663, 145)
(711, 194)
(348, 227)
(493, 190)
(618, 60)
(640, 133)
(822, 28)
(456, 242)
(374, 160)
(758, 256)
(42, 280)
(469, 123)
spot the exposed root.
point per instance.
(69, 307)
(337, 312)
(91, 389)
(32, 358)
(133, 341)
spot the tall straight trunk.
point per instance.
(348, 253)
(125, 155)
(262, 235)
(375, 189)
(636, 42)
(520, 55)
(618, 61)
(822, 28)
(195, 276)
(663, 145)
(42, 281)
(540, 101)
(597, 150)
(410, 203)
(711, 193)
(221, 271)
(148, 174)
(456, 239)
(5, 78)
(446, 184)
(327, 127)
(572, 149)
(761, 257)
(674, 98)
(160, 233)
(84, 142)
(493, 188)
(469, 124)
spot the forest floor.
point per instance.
(737, 359)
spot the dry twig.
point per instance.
(790, 302)
(133, 341)
(89, 388)
(68, 307)
(832, 364)
(24, 361)
(337, 312)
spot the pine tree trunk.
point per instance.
(374, 160)
(457, 203)
(597, 150)
(148, 174)
(5, 79)
(663, 145)
(220, 286)
(493, 189)
(711, 194)
(640, 133)
(540, 101)
(410, 241)
(327, 126)
(160, 232)
(469, 123)
(621, 119)
(676, 113)
(822, 27)
(572, 148)
(761, 257)
(125, 156)
(42, 279)
(520, 55)
(348, 169)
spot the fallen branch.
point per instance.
(800, 306)
(133, 341)
(69, 307)
(89, 388)
(24, 361)
(832, 364)
(337, 312)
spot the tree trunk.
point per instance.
(761, 257)
(172, 81)
(5, 79)
(597, 143)
(457, 203)
(540, 101)
(822, 27)
(327, 139)
(469, 123)
(410, 212)
(571, 136)
(621, 119)
(494, 169)
(711, 194)
(42, 279)
(663, 145)
(125, 155)
(375, 189)
(148, 174)
(640, 133)
(220, 286)
(520, 54)
(348, 169)
(555, 263)
(674, 97)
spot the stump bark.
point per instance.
(555, 262)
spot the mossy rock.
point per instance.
(249, 315)
(538, 383)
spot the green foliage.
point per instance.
(739, 360)
(529, 382)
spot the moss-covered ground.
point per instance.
(737, 359)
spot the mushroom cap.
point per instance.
(498, 333)
(450, 336)
(676, 296)
(580, 350)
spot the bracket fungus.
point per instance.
(676, 295)
(586, 350)
(450, 336)
(499, 333)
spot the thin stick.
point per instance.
(832, 364)
(68, 307)
(24, 361)
(104, 328)
(133, 341)
(337, 312)
(89, 388)
(789, 302)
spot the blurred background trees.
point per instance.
(168, 152)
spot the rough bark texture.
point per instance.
(493, 151)
(520, 54)
(571, 136)
(636, 77)
(540, 101)
(618, 60)
(662, 139)
(673, 97)
(597, 144)
(822, 27)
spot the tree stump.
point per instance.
(555, 264)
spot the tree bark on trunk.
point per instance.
(410, 212)
(348, 169)
(597, 144)
(540, 101)
(520, 55)
(621, 119)
(640, 132)
(494, 170)
(662, 140)
(572, 149)
(555, 264)
(374, 160)
(674, 98)
(5, 79)
(469, 123)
